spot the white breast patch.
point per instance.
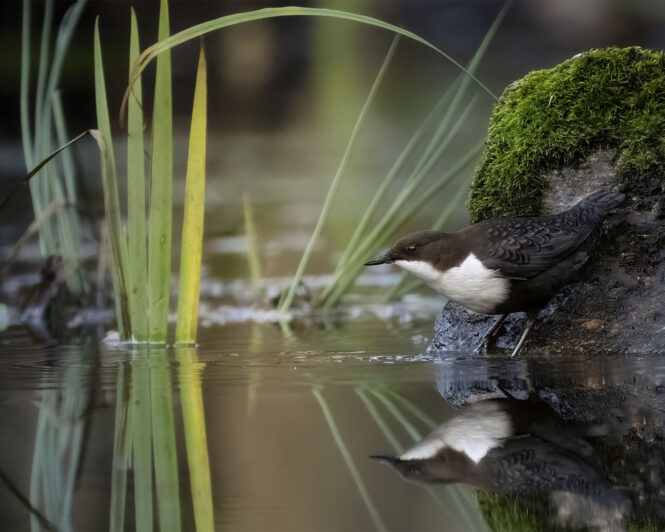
(470, 284)
(475, 431)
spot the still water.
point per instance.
(267, 429)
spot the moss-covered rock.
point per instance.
(611, 99)
(596, 121)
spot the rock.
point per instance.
(554, 137)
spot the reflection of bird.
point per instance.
(507, 446)
(504, 265)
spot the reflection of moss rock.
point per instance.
(510, 513)
(611, 99)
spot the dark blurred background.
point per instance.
(284, 93)
(263, 74)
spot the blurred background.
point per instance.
(284, 95)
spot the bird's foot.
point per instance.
(491, 332)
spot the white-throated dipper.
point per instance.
(504, 265)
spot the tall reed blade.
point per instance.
(111, 197)
(192, 227)
(26, 136)
(136, 223)
(161, 191)
(193, 418)
(253, 256)
(286, 301)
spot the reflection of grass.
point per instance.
(164, 450)
(193, 417)
(350, 464)
(461, 497)
(59, 439)
(145, 441)
(122, 448)
(507, 513)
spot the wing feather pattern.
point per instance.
(521, 248)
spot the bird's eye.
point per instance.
(411, 248)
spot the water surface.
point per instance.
(283, 422)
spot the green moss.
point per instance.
(611, 99)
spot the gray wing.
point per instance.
(521, 248)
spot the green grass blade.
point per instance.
(26, 135)
(45, 48)
(161, 191)
(360, 229)
(67, 158)
(192, 227)
(41, 164)
(43, 217)
(65, 33)
(285, 304)
(164, 443)
(253, 255)
(137, 267)
(201, 29)
(439, 141)
(110, 183)
(142, 439)
(392, 221)
(193, 417)
(111, 197)
(350, 464)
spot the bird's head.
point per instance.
(411, 248)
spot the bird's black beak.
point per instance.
(381, 260)
(390, 460)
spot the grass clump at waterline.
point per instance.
(611, 99)
(141, 279)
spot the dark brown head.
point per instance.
(416, 246)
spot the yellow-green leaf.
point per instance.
(192, 228)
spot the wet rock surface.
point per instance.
(615, 302)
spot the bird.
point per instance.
(504, 265)
(508, 446)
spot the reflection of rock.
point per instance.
(510, 446)
(618, 401)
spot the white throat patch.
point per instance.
(470, 284)
(475, 431)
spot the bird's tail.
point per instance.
(595, 207)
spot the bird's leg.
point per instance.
(490, 332)
(530, 320)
